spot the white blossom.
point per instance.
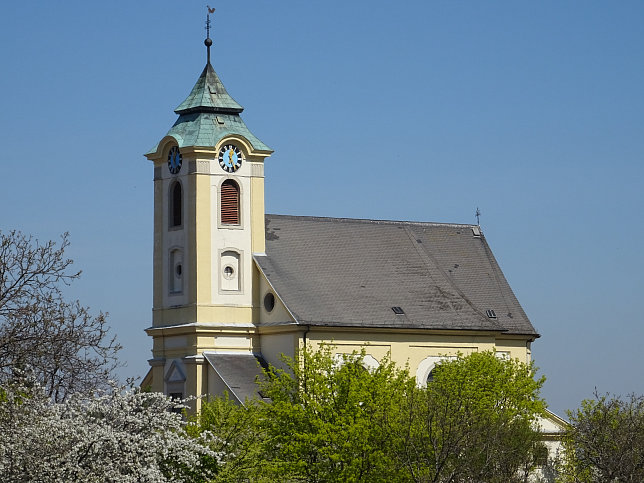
(124, 436)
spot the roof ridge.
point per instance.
(373, 221)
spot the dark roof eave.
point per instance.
(533, 335)
(409, 325)
(317, 323)
(207, 109)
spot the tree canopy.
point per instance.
(605, 441)
(125, 436)
(475, 421)
(68, 349)
(331, 418)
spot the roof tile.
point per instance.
(348, 272)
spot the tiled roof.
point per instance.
(209, 95)
(239, 372)
(350, 273)
(207, 129)
(208, 115)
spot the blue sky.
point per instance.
(417, 110)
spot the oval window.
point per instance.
(229, 272)
(269, 302)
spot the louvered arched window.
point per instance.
(176, 205)
(230, 203)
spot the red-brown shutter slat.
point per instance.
(230, 203)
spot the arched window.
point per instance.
(230, 203)
(427, 369)
(430, 376)
(176, 204)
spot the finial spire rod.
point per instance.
(208, 41)
(478, 216)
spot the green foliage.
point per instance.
(475, 421)
(234, 435)
(333, 420)
(329, 418)
(605, 441)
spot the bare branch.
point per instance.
(66, 347)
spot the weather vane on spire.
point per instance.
(208, 41)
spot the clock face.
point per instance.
(230, 158)
(174, 160)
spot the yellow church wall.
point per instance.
(258, 242)
(256, 294)
(402, 347)
(195, 368)
(279, 313)
(201, 262)
(202, 240)
(179, 341)
(515, 348)
(157, 379)
(157, 293)
(204, 314)
(419, 351)
(273, 345)
(227, 341)
(216, 385)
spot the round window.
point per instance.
(229, 272)
(269, 302)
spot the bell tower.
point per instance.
(208, 223)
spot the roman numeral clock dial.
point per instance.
(230, 158)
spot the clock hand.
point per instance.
(230, 157)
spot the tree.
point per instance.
(605, 441)
(67, 349)
(331, 419)
(328, 418)
(474, 422)
(233, 434)
(125, 436)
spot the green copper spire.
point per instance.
(209, 113)
(209, 95)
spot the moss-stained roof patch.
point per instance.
(207, 129)
(209, 95)
(342, 272)
(208, 115)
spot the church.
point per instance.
(234, 286)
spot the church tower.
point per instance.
(208, 223)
